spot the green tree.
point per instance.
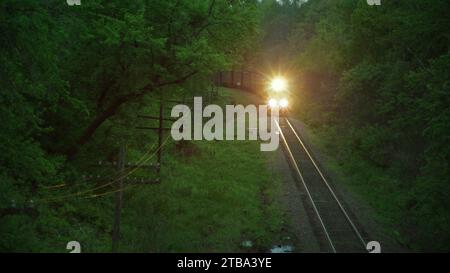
(373, 79)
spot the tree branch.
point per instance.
(112, 109)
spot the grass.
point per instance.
(214, 196)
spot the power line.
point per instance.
(121, 176)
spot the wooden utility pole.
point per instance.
(232, 83)
(119, 196)
(160, 131)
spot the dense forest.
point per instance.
(373, 83)
(73, 80)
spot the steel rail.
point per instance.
(306, 188)
(341, 207)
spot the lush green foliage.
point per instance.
(374, 81)
(74, 78)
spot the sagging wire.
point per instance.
(54, 186)
(65, 197)
(103, 185)
(109, 192)
(114, 180)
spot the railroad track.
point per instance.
(332, 222)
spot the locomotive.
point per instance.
(277, 93)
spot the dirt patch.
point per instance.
(186, 149)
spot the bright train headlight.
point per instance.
(284, 103)
(273, 103)
(278, 84)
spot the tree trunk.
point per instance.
(97, 121)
